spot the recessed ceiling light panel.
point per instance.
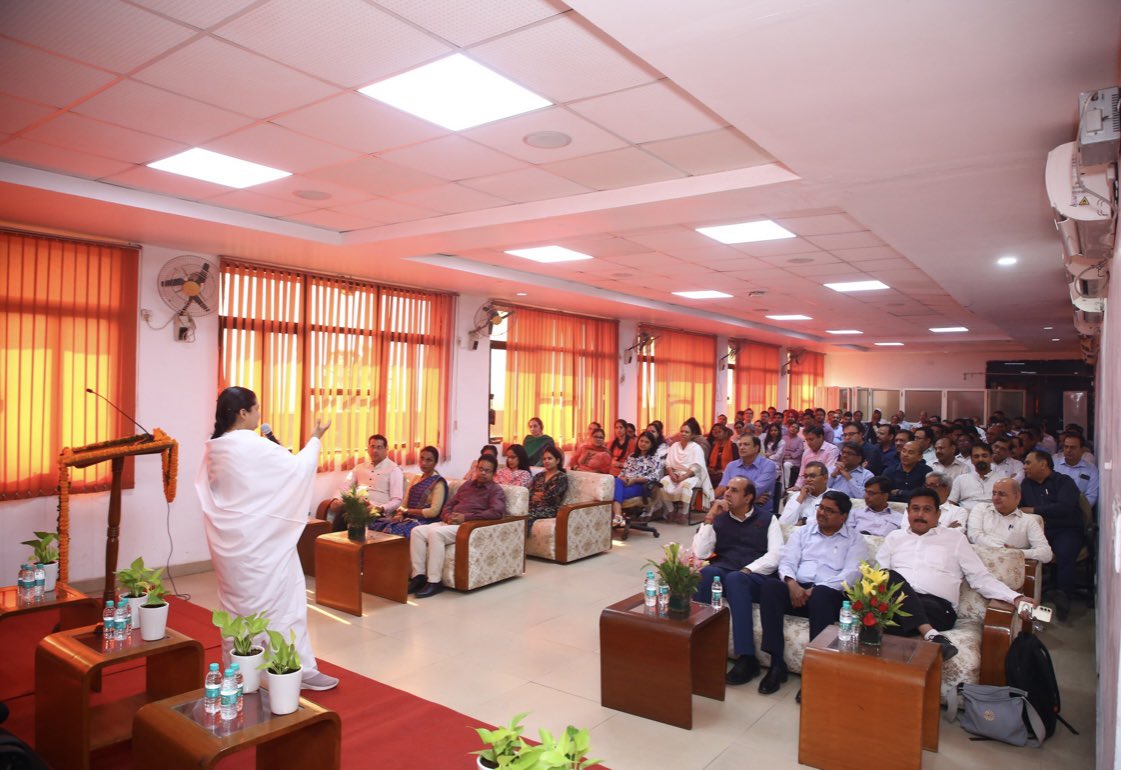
(704, 294)
(789, 318)
(948, 329)
(217, 168)
(549, 254)
(455, 92)
(747, 232)
(888, 344)
(843, 331)
(857, 286)
(1007, 261)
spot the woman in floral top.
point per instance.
(641, 468)
(548, 488)
(516, 473)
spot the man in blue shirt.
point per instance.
(848, 476)
(909, 473)
(815, 561)
(1072, 463)
(1055, 497)
(755, 468)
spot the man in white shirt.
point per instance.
(877, 516)
(952, 516)
(931, 562)
(802, 504)
(381, 476)
(1004, 462)
(947, 461)
(1072, 462)
(1001, 524)
(974, 488)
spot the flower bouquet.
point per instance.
(358, 511)
(874, 603)
(678, 572)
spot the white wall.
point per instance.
(628, 375)
(908, 370)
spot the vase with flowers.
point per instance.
(358, 511)
(875, 603)
(681, 577)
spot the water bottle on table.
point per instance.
(124, 620)
(717, 593)
(227, 696)
(212, 686)
(109, 624)
(846, 636)
(240, 681)
(663, 598)
(40, 576)
(25, 588)
(651, 590)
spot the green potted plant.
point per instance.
(243, 631)
(46, 554)
(568, 752)
(153, 612)
(134, 579)
(680, 576)
(503, 744)
(358, 511)
(507, 749)
(282, 663)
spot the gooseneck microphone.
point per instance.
(266, 431)
(120, 412)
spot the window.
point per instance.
(68, 314)
(806, 375)
(373, 358)
(756, 376)
(559, 367)
(677, 378)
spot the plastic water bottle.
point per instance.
(227, 696)
(212, 687)
(651, 592)
(40, 582)
(26, 587)
(663, 597)
(717, 593)
(240, 680)
(847, 623)
(108, 621)
(124, 620)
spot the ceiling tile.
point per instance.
(706, 253)
(709, 152)
(875, 265)
(87, 135)
(360, 123)
(17, 114)
(348, 42)
(563, 59)
(384, 211)
(508, 135)
(112, 35)
(627, 167)
(226, 76)
(604, 247)
(29, 153)
(453, 158)
(175, 185)
(669, 238)
(780, 248)
(254, 203)
(198, 13)
(845, 240)
(820, 271)
(529, 184)
(376, 176)
(651, 261)
(46, 79)
(826, 224)
(332, 220)
(648, 113)
(464, 22)
(452, 199)
(161, 113)
(799, 260)
(866, 254)
(280, 148)
(285, 189)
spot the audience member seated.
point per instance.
(659, 432)
(931, 561)
(474, 500)
(924, 436)
(948, 463)
(721, 452)
(424, 498)
(751, 465)
(622, 447)
(685, 469)
(951, 515)
(794, 448)
(1055, 497)
(1003, 461)
(547, 490)
(885, 447)
(971, 489)
(815, 562)
(516, 472)
(742, 547)
(774, 446)
(587, 439)
(871, 432)
(901, 437)
(382, 478)
(833, 423)
(593, 457)
(817, 450)
(1001, 524)
(641, 469)
(536, 442)
(965, 443)
(849, 475)
(853, 433)
(802, 504)
(877, 517)
(908, 474)
(1073, 464)
(486, 450)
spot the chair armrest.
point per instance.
(324, 507)
(560, 547)
(463, 537)
(1033, 585)
(305, 546)
(1001, 625)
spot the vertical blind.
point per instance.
(68, 318)
(756, 380)
(805, 376)
(373, 358)
(677, 378)
(562, 368)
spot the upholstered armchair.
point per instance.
(485, 552)
(583, 523)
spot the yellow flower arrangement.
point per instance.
(874, 602)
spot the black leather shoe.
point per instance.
(416, 583)
(948, 648)
(430, 589)
(743, 671)
(776, 675)
(1062, 605)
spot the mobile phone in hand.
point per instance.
(1040, 613)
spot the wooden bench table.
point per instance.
(345, 569)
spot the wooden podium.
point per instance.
(115, 452)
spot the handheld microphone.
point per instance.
(118, 410)
(266, 431)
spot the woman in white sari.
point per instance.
(686, 470)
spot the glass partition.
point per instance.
(887, 401)
(1011, 402)
(916, 401)
(965, 403)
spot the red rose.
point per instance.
(882, 606)
(869, 619)
(857, 606)
(881, 587)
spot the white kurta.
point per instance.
(255, 496)
(689, 457)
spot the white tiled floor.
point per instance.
(531, 644)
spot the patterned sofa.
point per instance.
(983, 631)
(583, 523)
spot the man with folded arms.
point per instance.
(1055, 497)
(931, 561)
(877, 516)
(745, 542)
(1001, 524)
(817, 559)
(971, 489)
(802, 505)
(849, 476)
(908, 473)
(754, 467)
(1072, 462)
(1003, 461)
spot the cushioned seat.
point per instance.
(583, 523)
(485, 552)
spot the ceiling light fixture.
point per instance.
(1007, 261)
(948, 329)
(208, 166)
(547, 140)
(455, 92)
(312, 195)
(789, 318)
(747, 232)
(1048, 328)
(888, 344)
(1054, 339)
(703, 294)
(857, 286)
(843, 331)
(549, 254)
(520, 294)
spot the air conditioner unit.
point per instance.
(1083, 200)
(1088, 324)
(1089, 295)
(1099, 125)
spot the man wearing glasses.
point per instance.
(801, 506)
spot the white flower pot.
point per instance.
(52, 575)
(134, 603)
(153, 622)
(250, 674)
(284, 692)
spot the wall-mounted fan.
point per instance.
(189, 286)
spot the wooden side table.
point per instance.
(345, 568)
(67, 664)
(651, 666)
(889, 694)
(178, 734)
(74, 607)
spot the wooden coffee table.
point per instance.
(74, 607)
(869, 707)
(178, 734)
(651, 666)
(345, 568)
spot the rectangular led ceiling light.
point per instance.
(843, 331)
(747, 232)
(220, 169)
(549, 254)
(948, 329)
(888, 344)
(455, 92)
(857, 286)
(704, 294)
(789, 318)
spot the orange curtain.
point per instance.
(561, 368)
(756, 381)
(68, 318)
(373, 358)
(677, 378)
(805, 376)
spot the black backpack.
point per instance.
(1028, 667)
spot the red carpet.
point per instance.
(382, 726)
